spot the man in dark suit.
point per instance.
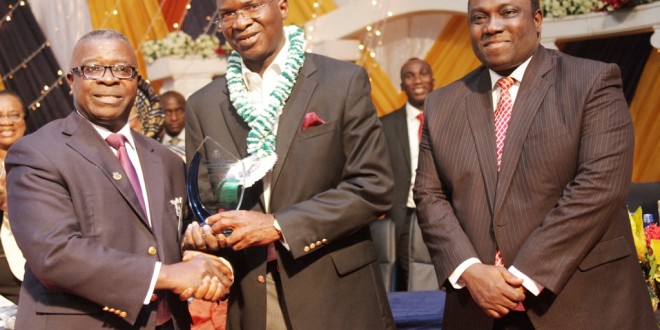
(548, 204)
(402, 130)
(101, 252)
(310, 213)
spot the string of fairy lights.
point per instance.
(35, 104)
(370, 42)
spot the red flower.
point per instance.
(651, 232)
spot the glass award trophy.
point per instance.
(215, 181)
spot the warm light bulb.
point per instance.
(115, 12)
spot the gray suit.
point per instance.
(87, 242)
(555, 210)
(329, 183)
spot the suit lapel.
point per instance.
(237, 129)
(292, 115)
(401, 128)
(532, 91)
(480, 118)
(152, 172)
(88, 143)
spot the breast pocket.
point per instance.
(315, 131)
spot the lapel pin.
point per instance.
(116, 176)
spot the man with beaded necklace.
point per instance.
(306, 128)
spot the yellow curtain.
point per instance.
(644, 111)
(139, 21)
(451, 56)
(302, 11)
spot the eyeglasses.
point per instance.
(13, 117)
(94, 72)
(251, 11)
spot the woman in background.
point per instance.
(12, 263)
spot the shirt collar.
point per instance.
(412, 112)
(104, 132)
(250, 77)
(517, 74)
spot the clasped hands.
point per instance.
(199, 275)
(249, 228)
(496, 290)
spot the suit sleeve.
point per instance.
(591, 203)
(48, 228)
(364, 189)
(448, 244)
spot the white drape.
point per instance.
(63, 22)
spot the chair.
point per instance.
(421, 274)
(382, 233)
(645, 195)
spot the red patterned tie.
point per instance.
(117, 141)
(503, 115)
(421, 124)
(502, 118)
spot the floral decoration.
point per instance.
(180, 44)
(561, 8)
(647, 240)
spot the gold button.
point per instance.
(312, 246)
(123, 314)
(306, 249)
(118, 312)
(324, 241)
(152, 250)
(261, 279)
(111, 310)
(106, 308)
(318, 243)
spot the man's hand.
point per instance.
(202, 238)
(200, 275)
(250, 228)
(493, 288)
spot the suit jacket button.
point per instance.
(318, 243)
(324, 241)
(111, 310)
(306, 249)
(123, 314)
(154, 297)
(312, 246)
(152, 250)
(106, 308)
(261, 279)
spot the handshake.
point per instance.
(199, 275)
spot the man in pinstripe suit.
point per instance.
(550, 204)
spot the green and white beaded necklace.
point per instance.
(262, 121)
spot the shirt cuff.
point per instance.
(279, 229)
(454, 278)
(528, 283)
(152, 285)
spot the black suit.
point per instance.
(395, 126)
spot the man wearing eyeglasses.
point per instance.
(96, 210)
(301, 249)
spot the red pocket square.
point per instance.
(311, 120)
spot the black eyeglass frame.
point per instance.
(80, 70)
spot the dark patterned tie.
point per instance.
(117, 141)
